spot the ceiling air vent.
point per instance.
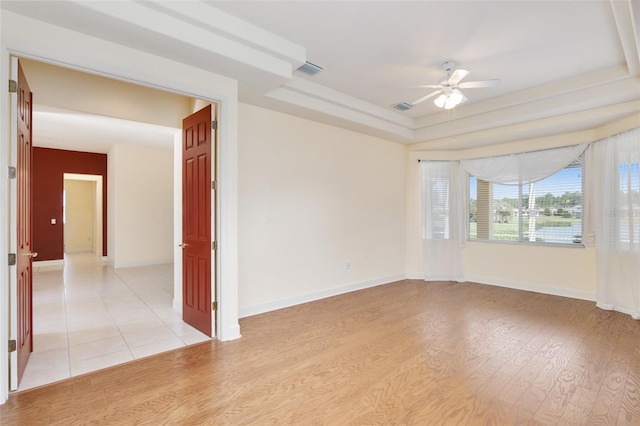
(309, 68)
(403, 106)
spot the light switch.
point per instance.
(53, 221)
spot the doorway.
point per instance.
(82, 213)
(82, 225)
(152, 71)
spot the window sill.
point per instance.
(528, 243)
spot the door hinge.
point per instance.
(12, 259)
(214, 125)
(214, 185)
(13, 172)
(214, 306)
(12, 346)
(13, 86)
(214, 245)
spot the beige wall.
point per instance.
(566, 271)
(140, 205)
(313, 197)
(115, 98)
(80, 206)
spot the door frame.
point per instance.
(13, 231)
(47, 43)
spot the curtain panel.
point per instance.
(443, 212)
(612, 219)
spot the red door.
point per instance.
(24, 252)
(196, 219)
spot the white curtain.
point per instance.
(522, 168)
(612, 217)
(443, 234)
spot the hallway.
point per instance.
(89, 316)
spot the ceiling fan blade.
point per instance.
(457, 76)
(431, 86)
(424, 98)
(478, 84)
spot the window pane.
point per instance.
(436, 201)
(547, 211)
(559, 204)
(438, 220)
(506, 219)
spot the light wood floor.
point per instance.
(404, 353)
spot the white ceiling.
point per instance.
(77, 131)
(378, 51)
(564, 66)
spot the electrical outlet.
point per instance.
(347, 265)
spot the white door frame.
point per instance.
(48, 43)
(12, 302)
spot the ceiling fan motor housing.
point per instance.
(448, 66)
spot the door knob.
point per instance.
(183, 245)
(32, 255)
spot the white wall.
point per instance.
(111, 204)
(141, 199)
(313, 197)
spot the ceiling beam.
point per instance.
(626, 15)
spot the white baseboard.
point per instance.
(57, 262)
(232, 334)
(145, 263)
(51, 265)
(79, 250)
(607, 307)
(415, 276)
(261, 308)
(555, 291)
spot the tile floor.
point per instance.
(89, 316)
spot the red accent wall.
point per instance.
(48, 168)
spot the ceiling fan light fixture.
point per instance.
(440, 101)
(450, 104)
(456, 96)
(450, 99)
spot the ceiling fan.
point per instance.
(450, 85)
